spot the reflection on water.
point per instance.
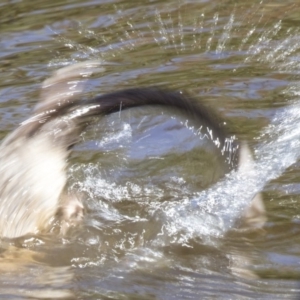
(151, 231)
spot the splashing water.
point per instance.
(214, 211)
(220, 206)
(149, 231)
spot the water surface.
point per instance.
(151, 229)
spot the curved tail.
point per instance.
(61, 97)
(34, 155)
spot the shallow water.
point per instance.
(150, 230)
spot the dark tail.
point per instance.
(61, 97)
(194, 111)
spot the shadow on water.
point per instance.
(160, 224)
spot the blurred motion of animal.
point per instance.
(33, 158)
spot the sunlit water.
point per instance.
(159, 223)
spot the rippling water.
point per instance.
(159, 224)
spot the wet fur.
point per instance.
(33, 157)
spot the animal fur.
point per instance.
(33, 157)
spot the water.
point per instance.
(156, 226)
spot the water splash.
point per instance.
(220, 206)
(213, 212)
(212, 32)
(226, 35)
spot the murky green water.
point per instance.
(239, 57)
